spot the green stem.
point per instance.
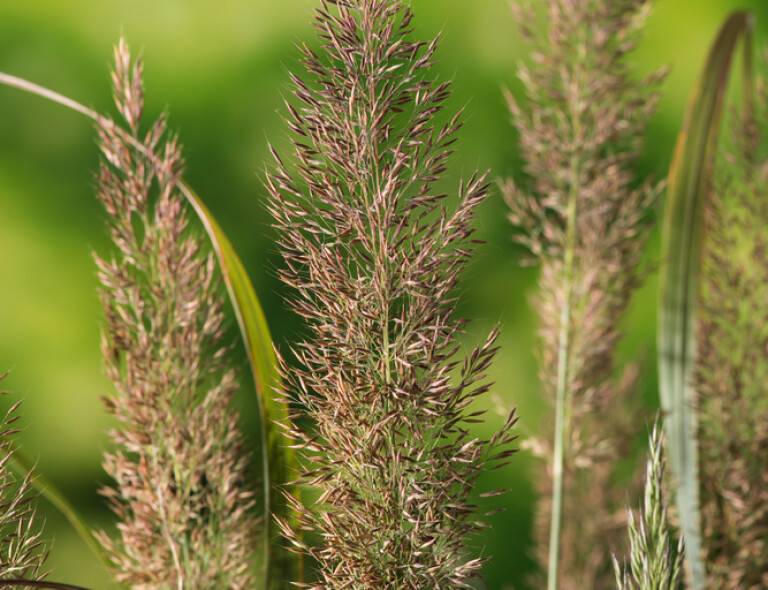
(561, 399)
(563, 395)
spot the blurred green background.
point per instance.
(220, 69)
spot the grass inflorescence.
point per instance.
(655, 560)
(585, 220)
(180, 489)
(374, 256)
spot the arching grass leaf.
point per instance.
(690, 179)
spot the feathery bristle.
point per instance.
(374, 257)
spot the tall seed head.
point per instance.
(374, 256)
(585, 221)
(180, 491)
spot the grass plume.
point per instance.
(586, 223)
(374, 256)
(178, 468)
(276, 450)
(732, 370)
(654, 561)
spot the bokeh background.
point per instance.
(220, 69)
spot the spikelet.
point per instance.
(585, 222)
(374, 256)
(655, 562)
(732, 367)
(178, 466)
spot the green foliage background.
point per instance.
(220, 69)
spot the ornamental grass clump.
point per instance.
(585, 219)
(732, 369)
(179, 471)
(655, 561)
(374, 256)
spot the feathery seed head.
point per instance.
(374, 255)
(178, 467)
(585, 222)
(655, 564)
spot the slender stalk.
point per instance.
(562, 398)
(558, 460)
(36, 89)
(563, 363)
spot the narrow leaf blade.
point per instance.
(277, 454)
(690, 179)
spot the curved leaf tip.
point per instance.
(690, 179)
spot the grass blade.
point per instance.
(690, 179)
(277, 455)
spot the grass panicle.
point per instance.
(278, 461)
(179, 470)
(22, 550)
(585, 221)
(732, 368)
(655, 562)
(374, 255)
